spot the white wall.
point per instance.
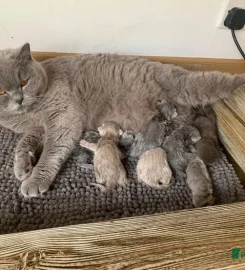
(149, 27)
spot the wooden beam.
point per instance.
(236, 103)
(41, 56)
(191, 239)
(231, 133)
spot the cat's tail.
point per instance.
(196, 87)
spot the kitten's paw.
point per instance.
(23, 164)
(34, 187)
(126, 139)
(203, 200)
(195, 137)
(104, 183)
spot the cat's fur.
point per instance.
(153, 169)
(108, 168)
(67, 95)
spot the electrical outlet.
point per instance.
(231, 4)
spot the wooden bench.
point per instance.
(205, 238)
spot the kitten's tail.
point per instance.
(196, 87)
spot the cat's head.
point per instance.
(22, 81)
(110, 128)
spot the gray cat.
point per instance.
(53, 102)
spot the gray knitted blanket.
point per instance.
(73, 199)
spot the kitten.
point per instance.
(109, 170)
(155, 131)
(153, 169)
(180, 149)
(84, 156)
(54, 101)
(208, 148)
(199, 182)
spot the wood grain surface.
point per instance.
(236, 103)
(231, 133)
(194, 239)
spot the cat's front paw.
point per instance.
(33, 187)
(23, 164)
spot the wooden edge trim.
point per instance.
(231, 133)
(213, 237)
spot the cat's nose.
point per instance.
(19, 100)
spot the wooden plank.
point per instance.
(240, 173)
(231, 133)
(194, 239)
(41, 56)
(233, 66)
(236, 103)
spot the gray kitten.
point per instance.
(154, 133)
(200, 183)
(54, 101)
(179, 146)
(208, 148)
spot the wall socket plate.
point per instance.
(230, 4)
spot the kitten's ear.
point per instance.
(120, 132)
(24, 53)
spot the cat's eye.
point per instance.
(24, 83)
(2, 93)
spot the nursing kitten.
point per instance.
(54, 101)
(208, 148)
(154, 133)
(108, 168)
(153, 169)
(84, 156)
(200, 183)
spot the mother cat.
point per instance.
(57, 99)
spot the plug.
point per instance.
(235, 19)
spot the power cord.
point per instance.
(235, 20)
(237, 43)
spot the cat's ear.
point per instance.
(24, 53)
